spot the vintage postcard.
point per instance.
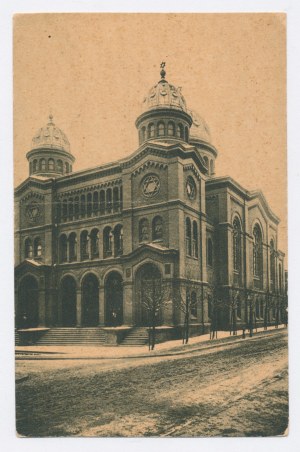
(151, 279)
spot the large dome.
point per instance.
(199, 128)
(50, 137)
(164, 95)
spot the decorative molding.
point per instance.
(149, 164)
(31, 195)
(91, 188)
(191, 167)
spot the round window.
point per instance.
(191, 188)
(150, 186)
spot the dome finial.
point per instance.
(163, 72)
(51, 118)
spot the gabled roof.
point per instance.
(31, 264)
(154, 247)
(248, 195)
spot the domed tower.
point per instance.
(50, 152)
(165, 115)
(200, 138)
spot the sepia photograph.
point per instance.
(150, 235)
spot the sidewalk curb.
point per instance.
(188, 348)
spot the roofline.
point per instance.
(249, 195)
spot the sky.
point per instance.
(92, 71)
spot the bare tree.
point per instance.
(154, 297)
(215, 307)
(185, 304)
(233, 302)
(251, 317)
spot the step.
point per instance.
(73, 336)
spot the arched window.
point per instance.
(116, 202)
(186, 134)
(66, 167)
(102, 202)
(121, 197)
(95, 243)
(211, 167)
(28, 249)
(143, 134)
(95, 202)
(35, 167)
(70, 168)
(236, 245)
(108, 200)
(144, 230)
(43, 165)
(195, 239)
(180, 131)
(37, 247)
(209, 252)
(89, 204)
(171, 129)
(188, 236)
(59, 166)
(84, 245)
(72, 247)
(63, 248)
(193, 305)
(161, 129)
(65, 210)
(71, 208)
(82, 206)
(76, 207)
(257, 252)
(118, 240)
(157, 228)
(107, 242)
(30, 167)
(51, 165)
(205, 158)
(272, 265)
(151, 131)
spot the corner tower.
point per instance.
(165, 115)
(50, 155)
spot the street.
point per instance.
(235, 389)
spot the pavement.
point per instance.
(175, 347)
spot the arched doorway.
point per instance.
(28, 312)
(90, 301)
(148, 295)
(114, 300)
(68, 301)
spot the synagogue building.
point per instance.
(90, 243)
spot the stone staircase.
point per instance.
(137, 337)
(73, 336)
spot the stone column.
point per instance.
(101, 306)
(42, 307)
(78, 307)
(128, 304)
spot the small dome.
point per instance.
(199, 128)
(50, 137)
(164, 95)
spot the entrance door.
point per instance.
(90, 301)
(114, 300)
(28, 311)
(68, 300)
(148, 294)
